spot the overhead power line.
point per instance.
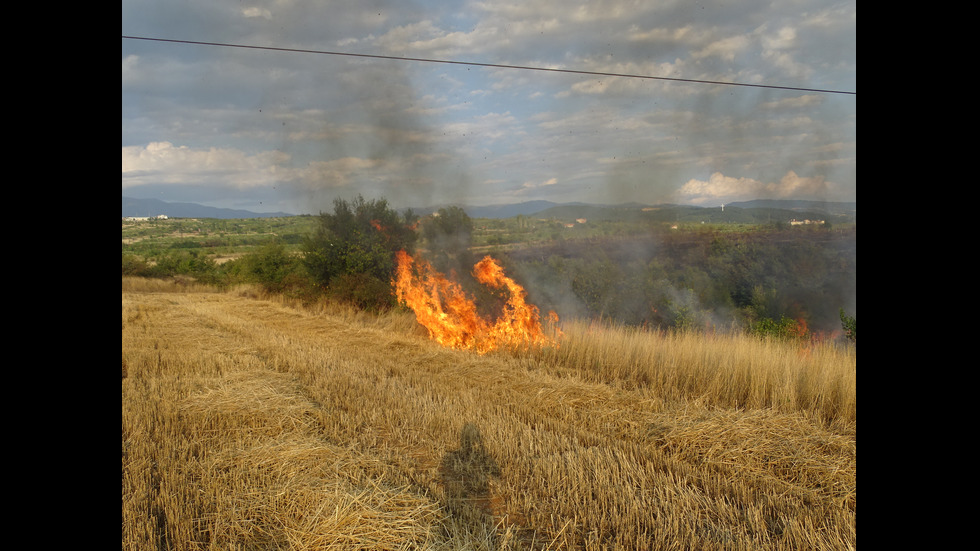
(493, 65)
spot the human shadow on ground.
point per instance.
(466, 473)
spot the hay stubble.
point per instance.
(252, 424)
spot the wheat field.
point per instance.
(251, 423)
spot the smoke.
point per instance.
(375, 142)
(643, 142)
(367, 128)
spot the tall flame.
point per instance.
(452, 319)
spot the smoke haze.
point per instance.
(291, 131)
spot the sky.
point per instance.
(248, 104)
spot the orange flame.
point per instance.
(376, 224)
(441, 306)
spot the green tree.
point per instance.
(451, 229)
(784, 328)
(448, 236)
(190, 263)
(272, 267)
(135, 266)
(357, 243)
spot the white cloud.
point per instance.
(784, 38)
(780, 49)
(720, 188)
(165, 163)
(726, 48)
(794, 102)
(489, 128)
(426, 38)
(530, 185)
(793, 185)
(223, 118)
(256, 12)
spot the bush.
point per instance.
(272, 267)
(193, 264)
(135, 266)
(352, 251)
(362, 290)
(785, 328)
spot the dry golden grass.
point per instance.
(250, 423)
(732, 370)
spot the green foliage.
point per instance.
(363, 291)
(635, 270)
(353, 249)
(135, 266)
(151, 238)
(272, 267)
(189, 263)
(849, 324)
(784, 328)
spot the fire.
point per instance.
(452, 319)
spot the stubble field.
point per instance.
(252, 423)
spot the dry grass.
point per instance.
(732, 370)
(254, 424)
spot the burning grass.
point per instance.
(452, 318)
(256, 424)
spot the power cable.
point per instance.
(493, 65)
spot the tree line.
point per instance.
(771, 282)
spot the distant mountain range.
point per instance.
(496, 211)
(829, 207)
(742, 211)
(154, 207)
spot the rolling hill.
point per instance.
(155, 207)
(751, 212)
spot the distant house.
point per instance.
(795, 222)
(144, 218)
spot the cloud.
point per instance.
(531, 188)
(793, 185)
(256, 12)
(719, 188)
(243, 119)
(726, 48)
(165, 163)
(794, 102)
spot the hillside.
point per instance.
(753, 212)
(830, 208)
(154, 207)
(747, 212)
(493, 211)
(253, 424)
